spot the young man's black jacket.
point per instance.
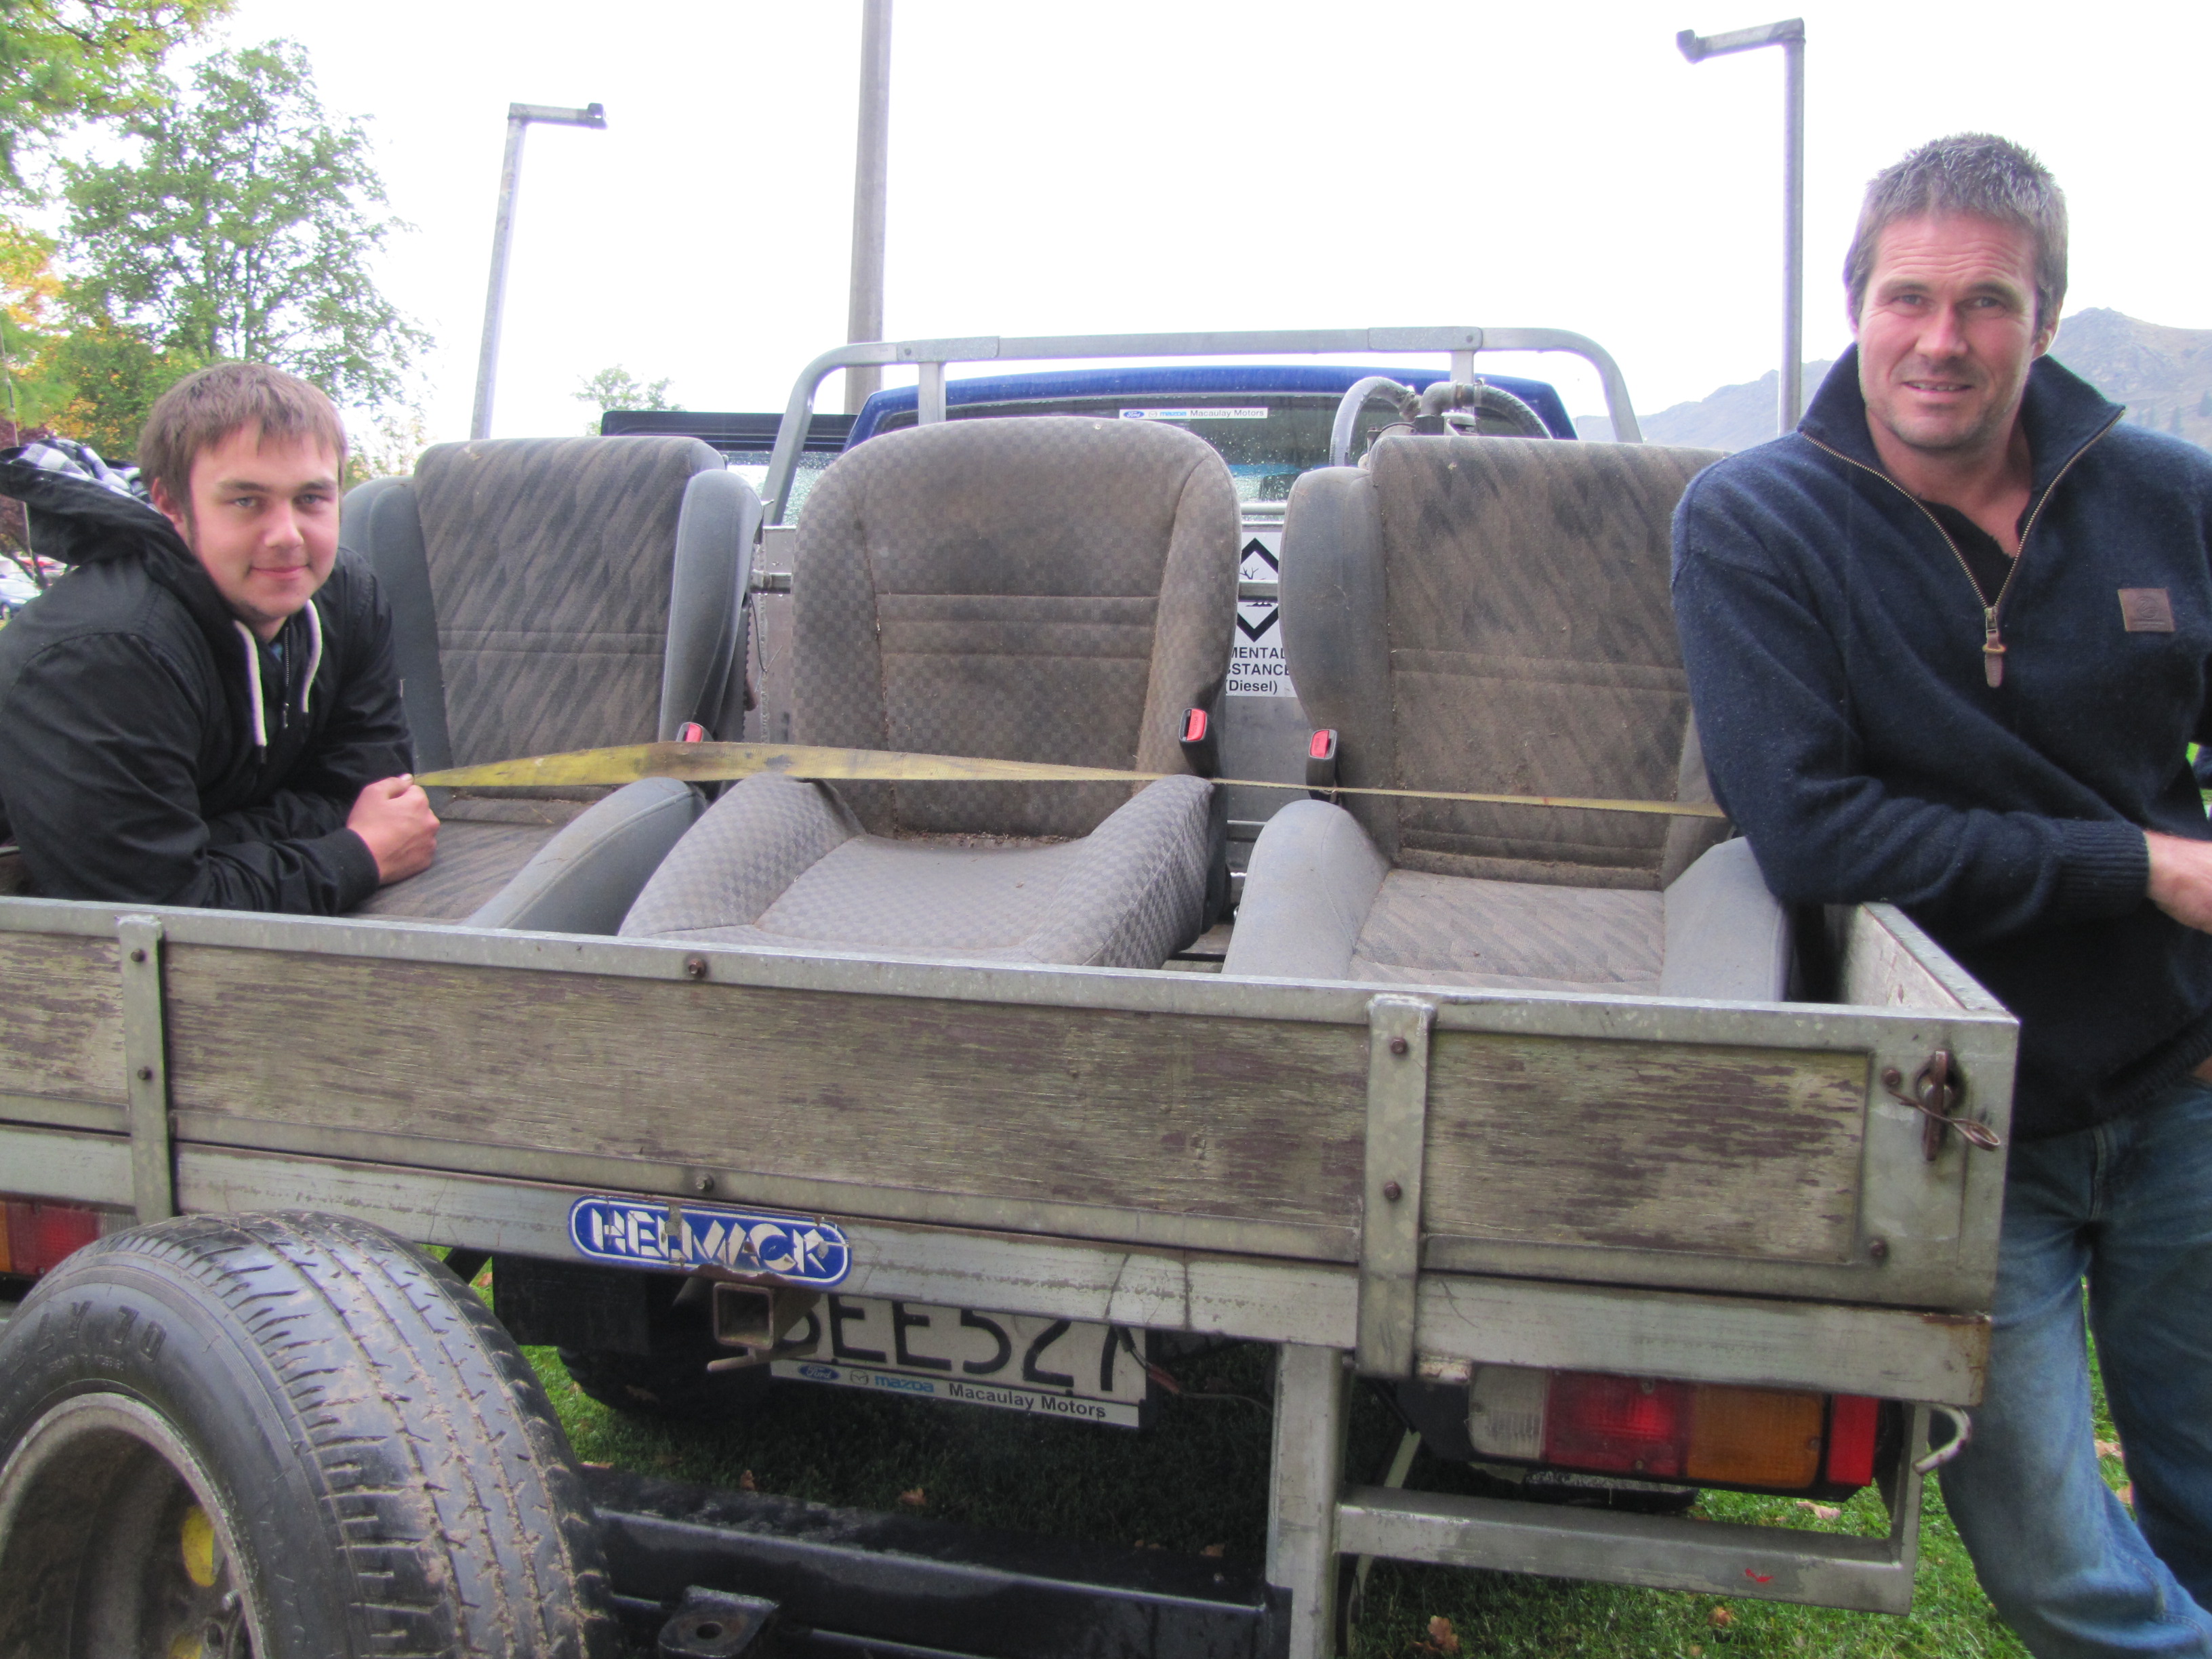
(134, 763)
(1835, 643)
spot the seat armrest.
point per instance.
(585, 879)
(1311, 881)
(702, 673)
(1727, 937)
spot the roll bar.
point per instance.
(932, 355)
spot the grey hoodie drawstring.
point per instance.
(253, 670)
(253, 684)
(314, 654)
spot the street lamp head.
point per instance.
(1698, 47)
(559, 115)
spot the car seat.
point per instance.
(1055, 589)
(548, 595)
(1492, 615)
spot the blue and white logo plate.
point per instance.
(631, 1232)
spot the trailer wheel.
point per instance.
(288, 1436)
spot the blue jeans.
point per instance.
(2128, 1205)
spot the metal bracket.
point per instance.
(1390, 1222)
(146, 1068)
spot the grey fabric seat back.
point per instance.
(1055, 588)
(1492, 615)
(551, 594)
(550, 564)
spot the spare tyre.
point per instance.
(291, 1436)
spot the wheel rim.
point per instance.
(110, 1518)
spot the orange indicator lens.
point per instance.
(1755, 1437)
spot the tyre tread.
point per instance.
(444, 1477)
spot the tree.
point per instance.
(615, 387)
(30, 290)
(65, 60)
(244, 230)
(113, 375)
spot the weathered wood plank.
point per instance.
(61, 1016)
(1004, 1102)
(1748, 1152)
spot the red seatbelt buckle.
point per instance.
(1320, 764)
(1200, 751)
(690, 732)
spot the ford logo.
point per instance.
(818, 1373)
(632, 1233)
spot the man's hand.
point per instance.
(393, 817)
(2181, 878)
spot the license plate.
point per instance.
(1057, 1368)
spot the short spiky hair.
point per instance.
(1976, 175)
(207, 406)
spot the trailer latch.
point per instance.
(1937, 1091)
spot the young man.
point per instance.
(1949, 644)
(204, 710)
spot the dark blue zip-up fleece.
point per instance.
(1834, 643)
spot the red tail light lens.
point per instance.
(1625, 1425)
(40, 1237)
(1852, 1418)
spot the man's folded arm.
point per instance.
(1773, 707)
(106, 806)
(288, 815)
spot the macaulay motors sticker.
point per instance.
(629, 1232)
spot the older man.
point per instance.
(1948, 646)
(205, 710)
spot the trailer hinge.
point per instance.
(146, 1068)
(1391, 1221)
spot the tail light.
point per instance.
(1852, 1420)
(38, 1237)
(1657, 1430)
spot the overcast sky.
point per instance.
(1212, 164)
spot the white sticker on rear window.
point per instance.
(1195, 413)
(1255, 666)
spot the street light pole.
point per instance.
(864, 319)
(518, 118)
(1790, 35)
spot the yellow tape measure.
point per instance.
(722, 762)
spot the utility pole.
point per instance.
(864, 319)
(1790, 35)
(518, 118)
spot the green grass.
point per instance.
(1196, 1479)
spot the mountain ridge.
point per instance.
(2163, 374)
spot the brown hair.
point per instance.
(1975, 175)
(208, 406)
